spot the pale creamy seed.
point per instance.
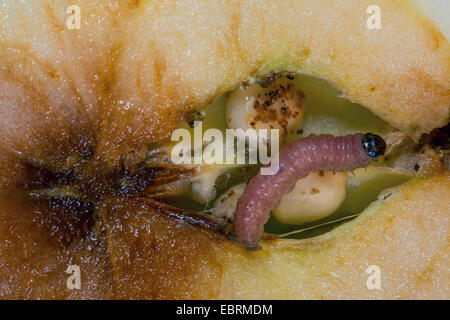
(279, 106)
(313, 198)
(225, 206)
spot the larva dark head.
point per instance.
(374, 145)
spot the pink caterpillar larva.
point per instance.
(297, 160)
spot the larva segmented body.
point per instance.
(297, 160)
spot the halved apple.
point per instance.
(85, 113)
